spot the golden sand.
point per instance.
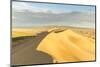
(18, 32)
(68, 46)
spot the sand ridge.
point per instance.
(68, 46)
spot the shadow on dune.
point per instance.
(26, 53)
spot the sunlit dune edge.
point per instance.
(18, 32)
(68, 46)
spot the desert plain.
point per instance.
(52, 44)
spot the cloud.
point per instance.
(36, 7)
(26, 14)
(28, 18)
(21, 6)
(13, 17)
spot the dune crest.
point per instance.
(68, 46)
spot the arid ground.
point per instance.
(26, 41)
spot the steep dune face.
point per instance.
(68, 46)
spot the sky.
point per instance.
(30, 14)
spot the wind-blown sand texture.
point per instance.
(68, 46)
(52, 45)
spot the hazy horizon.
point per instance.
(27, 14)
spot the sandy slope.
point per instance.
(68, 46)
(64, 46)
(25, 52)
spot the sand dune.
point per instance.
(18, 32)
(57, 45)
(68, 46)
(25, 52)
